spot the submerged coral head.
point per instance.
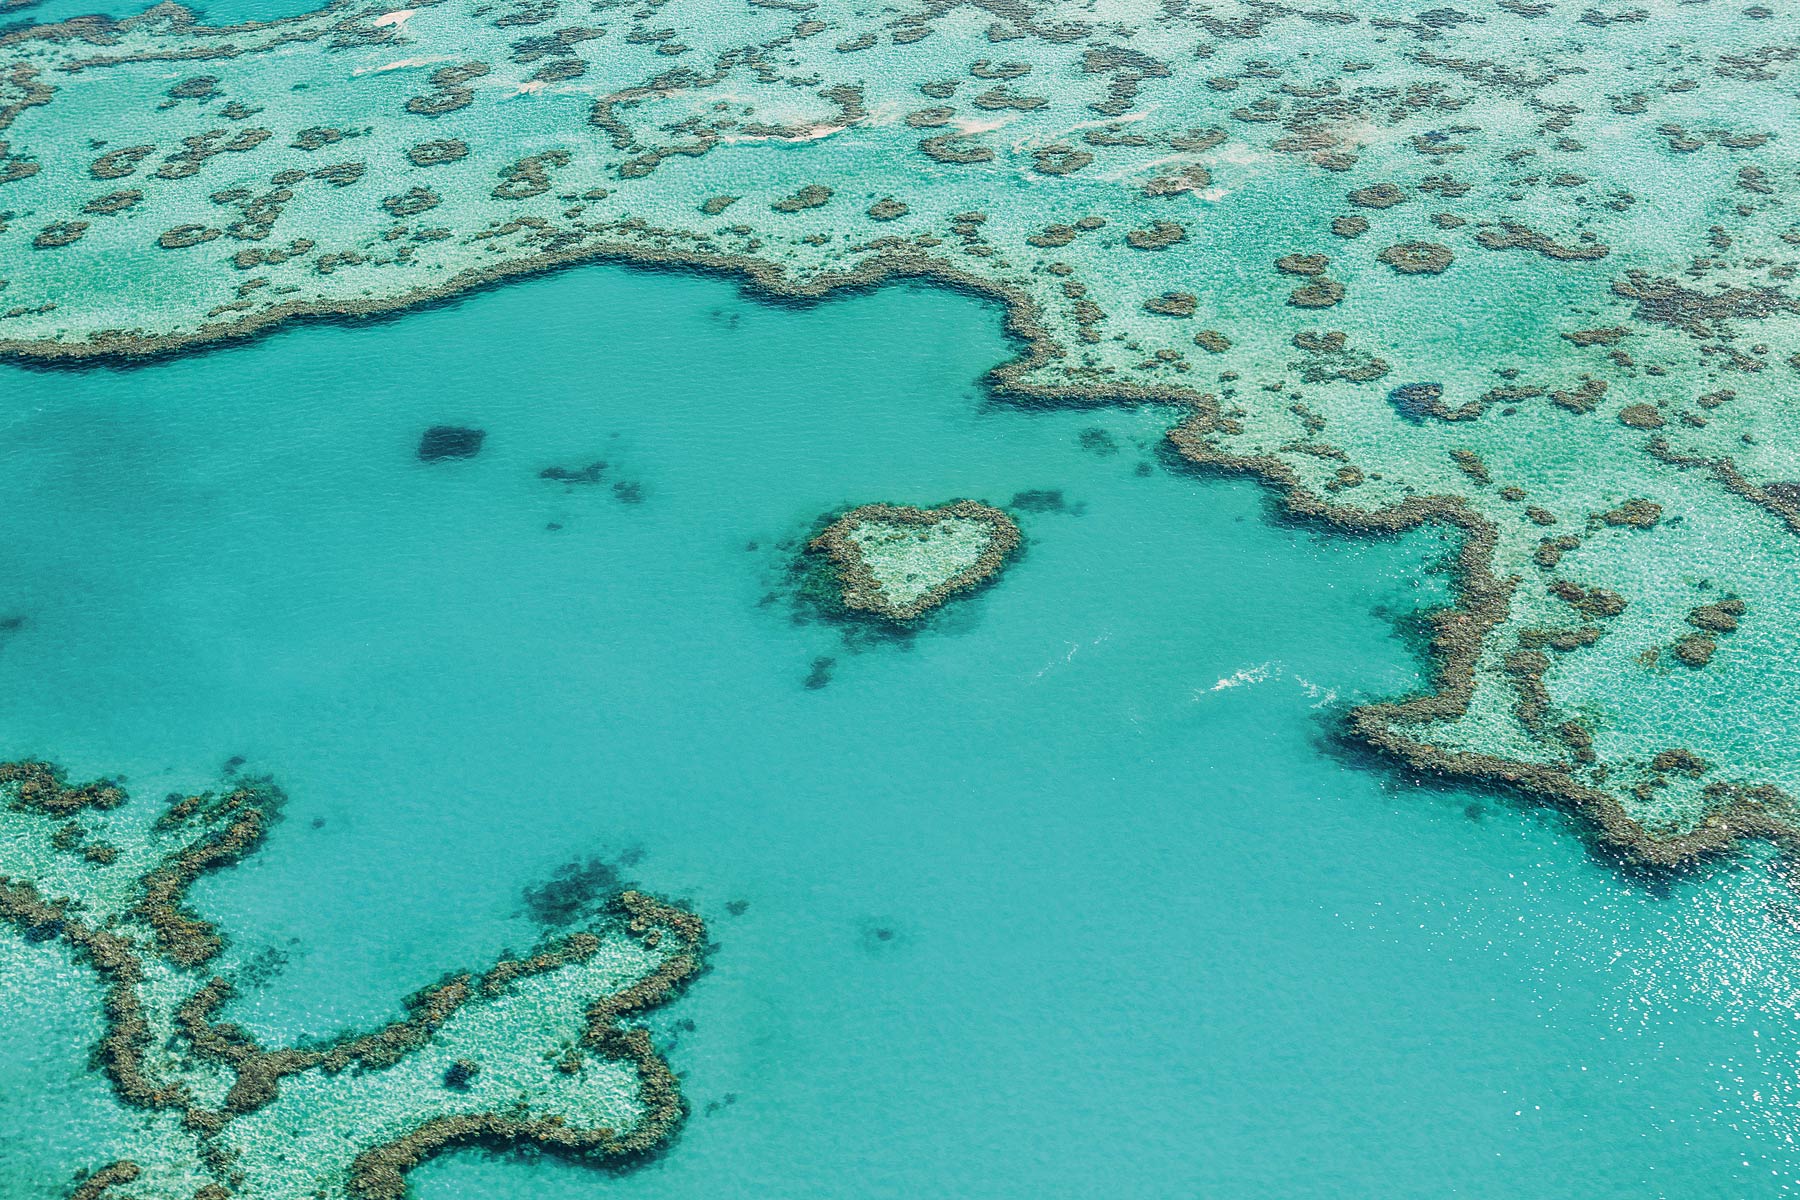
(450, 441)
(1416, 401)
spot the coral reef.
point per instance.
(899, 562)
(1582, 348)
(532, 1051)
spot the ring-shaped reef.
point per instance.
(900, 562)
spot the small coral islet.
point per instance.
(898, 562)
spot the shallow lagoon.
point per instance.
(1068, 894)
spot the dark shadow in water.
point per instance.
(1044, 500)
(579, 890)
(820, 675)
(880, 936)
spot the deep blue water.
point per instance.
(1066, 895)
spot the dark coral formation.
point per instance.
(437, 153)
(450, 90)
(112, 202)
(43, 787)
(1159, 235)
(1172, 304)
(117, 164)
(1417, 258)
(450, 441)
(811, 196)
(412, 202)
(58, 234)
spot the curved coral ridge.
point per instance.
(529, 1051)
(900, 562)
(1523, 272)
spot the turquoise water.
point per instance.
(217, 12)
(1501, 204)
(1067, 894)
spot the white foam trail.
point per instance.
(1257, 674)
(401, 64)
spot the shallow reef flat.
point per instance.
(532, 1051)
(1523, 270)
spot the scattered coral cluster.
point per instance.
(1522, 270)
(530, 1051)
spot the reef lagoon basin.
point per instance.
(1073, 889)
